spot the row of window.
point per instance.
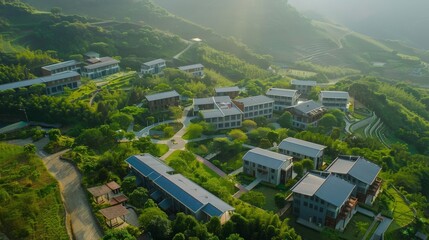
(227, 125)
(250, 108)
(260, 113)
(222, 119)
(60, 88)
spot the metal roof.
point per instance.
(357, 167)
(334, 94)
(190, 67)
(303, 82)
(47, 79)
(154, 62)
(308, 106)
(301, 147)
(281, 92)
(227, 89)
(203, 101)
(335, 190)
(256, 100)
(104, 61)
(267, 158)
(148, 165)
(61, 65)
(308, 185)
(162, 95)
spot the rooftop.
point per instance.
(301, 147)
(113, 185)
(334, 94)
(154, 62)
(190, 67)
(303, 82)
(99, 190)
(357, 167)
(162, 95)
(227, 89)
(61, 65)
(148, 165)
(47, 79)
(256, 100)
(308, 107)
(212, 100)
(267, 158)
(102, 62)
(281, 92)
(114, 212)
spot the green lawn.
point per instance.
(352, 232)
(269, 193)
(31, 206)
(229, 164)
(402, 213)
(163, 148)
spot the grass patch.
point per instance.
(199, 147)
(402, 213)
(31, 204)
(162, 148)
(229, 164)
(352, 231)
(269, 194)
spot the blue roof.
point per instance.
(150, 167)
(335, 190)
(212, 211)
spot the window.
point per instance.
(233, 124)
(305, 204)
(272, 170)
(311, 205)
(321, 209)
(226, 124)
(233, 117)
(246, 162)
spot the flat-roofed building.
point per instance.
(208, 103)
(54, 84)
(283, 98)
(197, 70)
(324, 200)
(100, 67)
(306, 114)
(257, 106)
(71, 65)
(268, 166)
(300, 149)
(174, 192)
(334, 99)
(360, 172)
(162, 101)
(153, 67)
(232, 92)
(303, 86)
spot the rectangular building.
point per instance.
(153, 67)
(269, 166)
(232, 92)
(257, 106)
(208, 103)
(306, 114)
(71, 65)
(360, 172)
(324, 200)
(162, 101)
(174, 192)
(303, 86)
(197, 70)
(283, 98)
(54, 84)
(334, 99)
(100, 67)
(300, 149)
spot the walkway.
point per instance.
(253, 184)
(382, 228)
(211, 166)
(237, 171)
(177, 56)
(365, 212)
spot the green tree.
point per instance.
(285, 120)
(307, 164)
(327, 122)
(159, 227)
(129, 185)
(234, 236)
(114, 234)
(124, 120)
(249, 124)
(273, 137)
(54, 134)
(257, 199)
(179, 236)
(176, 112)
(168, 131)
(361, 228)
(138, 197)
(29, 149)
(194, 131)
(265, 143)
(238, 135)
(145, 145)
(214, 226)
(298, 168)
(150, 213)
(261, 121)
(279, 200)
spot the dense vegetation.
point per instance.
(31, 204)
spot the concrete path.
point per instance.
(237, 171)
(211, 166)
(382, 228)
(365, 212)
(177, 56)
(253, 184)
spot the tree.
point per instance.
(29, 149)
(279, 200)
(138, 197)
(257, 199)
(214, 226)
(124, 120)
(168, 131)
(54, 134)
(150, 213)
(238, 135)
(129, 184)
(273, 136)
(159, 227)
(265, 143)
(179, 236)
(328, 121)
(261, 121)
(56, 11)
(145, 145)
(249, 124)
(307, 164)
(149, 204)
(285, 120)
(176, 112)
(114, 234)
(234, 236)
(298, 168)
(194, 131)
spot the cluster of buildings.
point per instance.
(156, 67)
(174, 192)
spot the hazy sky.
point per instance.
(407, 20)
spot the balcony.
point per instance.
(348, 207)
(375, 186)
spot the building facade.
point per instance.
(66, 66)
(324, 200)
(306, 114)
(162, 101)
(154, 67)
(175, 193)
(100, 67)
(257, 106)
(268, 166)
(334, 99)
(197, 70)
(300, 149)
(360, 172)
(232, 92)
(303, 86)
(283, 98)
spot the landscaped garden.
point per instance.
(165, 131)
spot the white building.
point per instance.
(306, 114)
(300, 149)
(219, 111)
(334, 99)
(100, 67)
(197, 70)
(269, 166)
(71, 65)
(232, 92)
(153, 67)
(303, 86)
(257, 106)
(283, 98)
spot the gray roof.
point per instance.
(308, 106)
(303, 82)
(154, 62)
(212, 113)
(267, 158)
(256, 100)
(227, 89)
(61, 65)
(360, 168)
(281, 92)
(209, 100)
(334, 94)
(301, 147)
(104, 61)
(190, 67)
(92, 54)
(162, 95)
(331, 189)
(47, 79)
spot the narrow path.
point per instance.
(211, 166)
(177, 56)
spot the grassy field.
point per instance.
(352, 232)
(402, 213)
(163, 148)
(269, 193)
(31, 204)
